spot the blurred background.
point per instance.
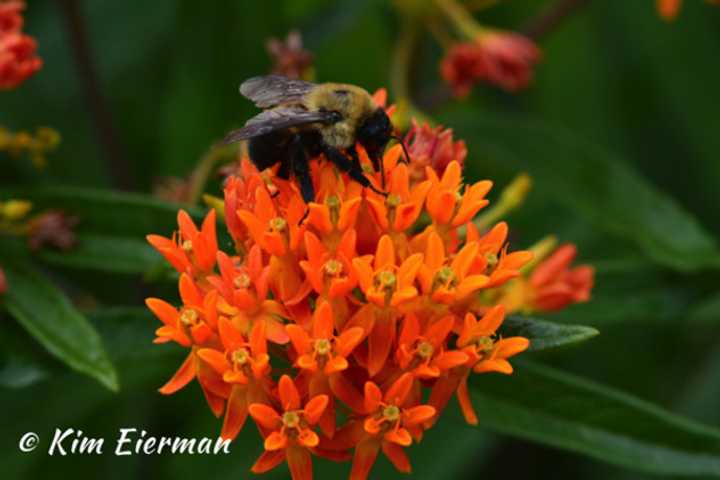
(619, 130)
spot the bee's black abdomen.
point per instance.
(267, 150)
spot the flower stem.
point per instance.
(511, 198)
(460, 18)
(551, 17)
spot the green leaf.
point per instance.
(594, 183)
(551, 407)
(707, 312)
(105, 253)
(47, 314)
(106, 212)
(544, 335)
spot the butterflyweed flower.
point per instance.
(669, 9)
(35, 146)
(345, 333)
(503, 59)
(17, 51)
(551, 283)
(433, 147)
(3, 282)
(289, 57)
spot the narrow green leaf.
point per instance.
(107, 212)
(544, 335)
(551, 407)
(706, 312)
(105, 253)
(595, 184)
(46, 313)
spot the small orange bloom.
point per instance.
(668, 9)
(291, 435)
(243, 364)
(446, 205)
(329, 273)
(389, 424)
(486, 352)
(554, 285)
(401, 208)
(425, 353)
(193, 251)
(276, 232)
(244, 293)
(382, 280)
(432, 147)
(449, 283)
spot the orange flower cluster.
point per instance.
(17, 51)
(376, 309)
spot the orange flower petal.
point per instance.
(289, 395)
(275, 441)
(373, 397)
(398, 392)
(315, 408)
(364, 458)
(265, 416)
(417, 415)
(215, 359)
(268, 461)
(323, 321)
(164, 311)
(236, 413)
(182, 377)
(308, 438)
(385, 254)
(396, 454)
(465, 404)
(299, 338)
(299, 462)
(400, 436)
(336, 364)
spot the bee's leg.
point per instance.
(301, 170)
(285, 169)
(346, 165)
(376, 163)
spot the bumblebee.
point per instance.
(302, 120)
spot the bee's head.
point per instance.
(375, 132)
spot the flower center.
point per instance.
(291, 419)
(386, 279)
(278, 224)
(333, 204)
(240, 356)
(333, 267)
(189, 316)
(242, 281)
(485, 344)
(392, 200)
(492, 259)
(187, 246)
(425, 350)
(322, 346)
(391, 413)
(446, 275)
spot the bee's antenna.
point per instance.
(405, 151)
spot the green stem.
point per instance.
(460, 18)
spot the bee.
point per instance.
(301, 120)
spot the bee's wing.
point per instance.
(278, 119)
(271, 90)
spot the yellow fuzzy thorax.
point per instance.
(352, 102)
